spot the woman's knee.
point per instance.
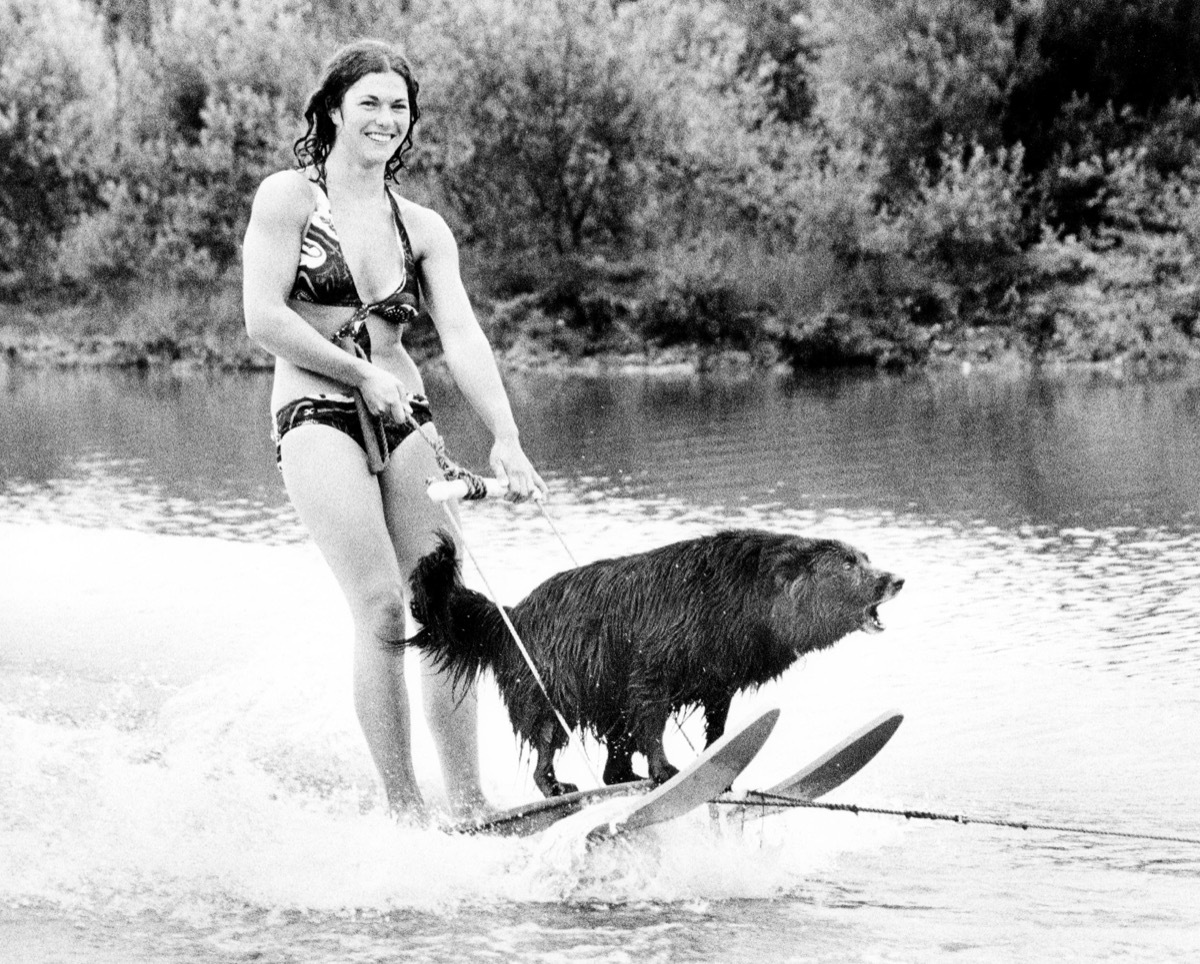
(382, 614)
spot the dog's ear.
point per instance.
(788, 564)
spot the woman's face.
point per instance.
(374, 116)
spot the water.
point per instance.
(182, 779)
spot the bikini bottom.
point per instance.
(338, 411)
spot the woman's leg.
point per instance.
(339, 502)
(414, 522)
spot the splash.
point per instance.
(240, 796)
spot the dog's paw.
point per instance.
(555, 788)
(663, 773)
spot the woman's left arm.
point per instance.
(468, 354)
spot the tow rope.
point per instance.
(770, 801)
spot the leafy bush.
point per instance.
(1080, 63)
(1130, 289)
(543, 137)
(108, 248)
(56, 99)
(908, 75)
(208, 111)
(778, 55)
(584, 326)
(955, 250)
(950, 253)
(835, 340)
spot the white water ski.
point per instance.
(831, 769)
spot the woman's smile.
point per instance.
(377, 105)
(381, 137)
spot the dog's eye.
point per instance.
(847, 564)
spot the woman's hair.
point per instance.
(348, 66)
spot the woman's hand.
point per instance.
(384, 393)
(512, 467)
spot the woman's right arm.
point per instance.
(270, 255)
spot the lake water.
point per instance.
(182, 778)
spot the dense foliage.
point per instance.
(832, 182)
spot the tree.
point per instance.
(1080, 60)
(910, 76)
(540, 138)
(779, 54)
(55, 97)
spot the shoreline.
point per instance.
(39, 351)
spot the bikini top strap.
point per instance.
(410, 260)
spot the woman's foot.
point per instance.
(408, 809)
(472, 806)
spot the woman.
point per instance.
(333, 254)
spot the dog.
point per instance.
(623, 643)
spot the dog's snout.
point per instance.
(889, 584)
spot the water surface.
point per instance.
(181, 777)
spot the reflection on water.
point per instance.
(156, 452)
(1090, 452)
(187, 453)
(178, 754)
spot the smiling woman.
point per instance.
(393, 91)
(337, 264)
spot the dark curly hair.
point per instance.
(348, 66)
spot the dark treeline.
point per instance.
(826, 182)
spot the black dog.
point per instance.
(623, 643)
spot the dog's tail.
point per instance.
(463, 631)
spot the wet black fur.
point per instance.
(623, 643)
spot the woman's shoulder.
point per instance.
(285, 195)
(410, 210)
(426, 228)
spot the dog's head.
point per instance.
(831, 588)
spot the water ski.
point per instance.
(529, 818)
(711, 774)
(831, 769)
(709, 768)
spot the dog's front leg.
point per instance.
(651, 723)
(618, 768)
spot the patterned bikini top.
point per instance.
(323, 277)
